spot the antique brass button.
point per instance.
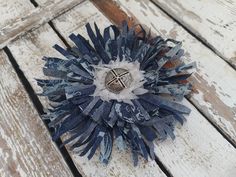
(117, 79)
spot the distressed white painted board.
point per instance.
(13, 10)
(198, 150)
(22, 17)
(26, 148)
(214, 81)
(28, 52)
(214, 21)
(198, 147)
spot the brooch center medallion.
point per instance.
(118, 79)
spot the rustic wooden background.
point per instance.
(204, 146)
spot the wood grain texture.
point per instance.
(12, 11)
(28, 52)
(214, 81)
(26, 148)
(198, 147)
(198, 150)
(20, 22)
(214, 21)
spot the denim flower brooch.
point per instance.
(116, 89)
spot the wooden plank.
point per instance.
(214, 81)
(214, 21)
(14, 10)
(28, 52)
(26, 148)
(198, 150)
(32, 19)
(198, 147)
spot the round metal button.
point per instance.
(117, 79)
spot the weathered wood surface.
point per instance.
(28, 52)
(14, 10)
(214, 81)
(26, 148)
(214, 21)
(198, 148)
(18, 17)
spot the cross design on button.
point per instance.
(117, 79)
